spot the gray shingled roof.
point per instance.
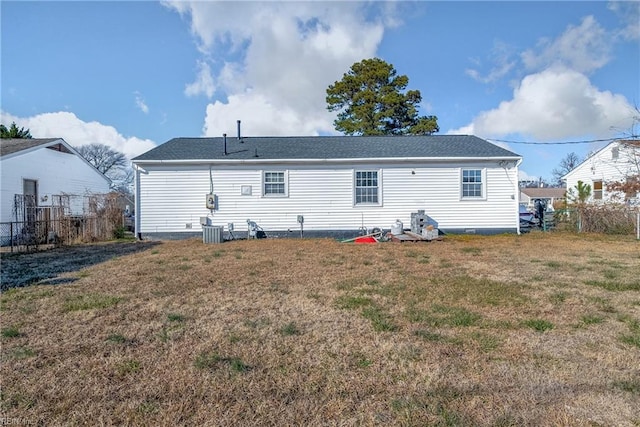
(13, 145)
(544, 192)
(325, 147)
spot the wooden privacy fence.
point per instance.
(22, 236)
(68, 220)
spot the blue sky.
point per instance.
(134, 74)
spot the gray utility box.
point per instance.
(211, 234)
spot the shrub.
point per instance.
(608, 218)
(119, 232)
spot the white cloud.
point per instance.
(584, 48)
(629, 13)
(265, 118)
(554, 104)
(204, 82)
(501, 57)
(76, 132)
(275, 60)
(140, 103)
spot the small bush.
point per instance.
(119, 232)
(608, 218)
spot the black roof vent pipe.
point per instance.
(239, 138)
(224, 142)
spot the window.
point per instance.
(29, 205)
(30, 191)
(615, 153)
(366, 187)
(597, 190)
(472, 183)
(274, 184)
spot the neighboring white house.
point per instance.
(37, 170)
(338, 184)
(615, 162)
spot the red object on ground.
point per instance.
(368, 239)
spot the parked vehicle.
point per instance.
(527, 219)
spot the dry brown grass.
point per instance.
(541, 329)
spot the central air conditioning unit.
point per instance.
(211, 234)
(211, 201)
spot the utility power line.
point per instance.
(556, 143)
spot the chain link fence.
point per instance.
(607, 219)
(25, 236)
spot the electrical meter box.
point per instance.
(211, 201)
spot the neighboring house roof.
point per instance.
(325, 148)
(544, 192)
(16, 145)
(12, 147)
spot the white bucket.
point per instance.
(397, 228)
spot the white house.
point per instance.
(615, 162)
(549, 195)
(36, 170)
(337, 184)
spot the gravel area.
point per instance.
(52, 266)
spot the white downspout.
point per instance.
(138, 230)
(517, 197)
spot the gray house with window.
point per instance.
(339, 185)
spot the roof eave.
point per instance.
(34, 148)
(328, 161)
(67, 146)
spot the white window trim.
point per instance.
(353, 186)
(286, 184)
(483, 176)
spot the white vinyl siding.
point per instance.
(56, 172)
(612, 163)
(173, 196)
